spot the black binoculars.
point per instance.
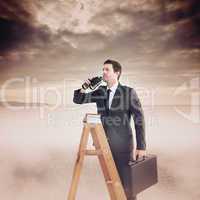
(94, 82)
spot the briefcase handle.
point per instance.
(131, 162)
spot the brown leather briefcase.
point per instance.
(143, 173)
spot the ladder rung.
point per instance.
(109, 182)
(113, 182)
(93, 152)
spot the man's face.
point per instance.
(108, 73)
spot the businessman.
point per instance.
(116, 103)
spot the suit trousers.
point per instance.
(121, 160)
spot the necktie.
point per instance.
(107, 99)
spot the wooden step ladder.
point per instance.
(102, 150)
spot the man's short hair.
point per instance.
(116, 66)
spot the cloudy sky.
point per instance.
(156, 41)
(56, 44)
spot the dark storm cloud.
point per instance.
(20, 11)
(22, 36)
(15, 34)
(170, 24)
(152, 23)
(17, 29)
(14, 24)
(185, 14)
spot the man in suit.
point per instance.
(116, 103)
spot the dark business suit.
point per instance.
(116, 123)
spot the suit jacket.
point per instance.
(116, 120)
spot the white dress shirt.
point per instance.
(112, 92)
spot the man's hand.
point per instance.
(88, 82)
(138, 153)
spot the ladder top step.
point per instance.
(91, 152)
